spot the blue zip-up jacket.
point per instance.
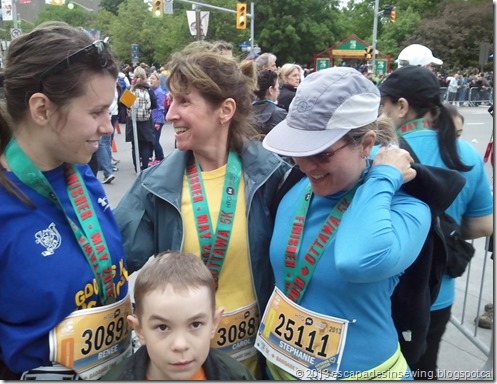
(149, 215)
(158, 113)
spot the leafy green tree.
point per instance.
(77, 16)
(358, 18)
(455, 30)
(294, 30)
(132, 25)
(393, 35)
(111, 5)
(160, 37)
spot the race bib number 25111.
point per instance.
(299, 340)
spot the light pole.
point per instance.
(14, 13)
(251, 15)
(375, 32)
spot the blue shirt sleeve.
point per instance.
(383, 230)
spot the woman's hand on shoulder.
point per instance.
(398, 158)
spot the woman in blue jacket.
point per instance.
(211, 195)
(158, 116)
(343, 235)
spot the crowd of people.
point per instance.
(267, 244)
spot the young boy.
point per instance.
(175, 319)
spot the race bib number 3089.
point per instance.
(91, 341)
(298, 340)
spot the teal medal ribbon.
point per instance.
(299, 273)
(264, 99)
(89, 233)
(213, 248)
(422, 124)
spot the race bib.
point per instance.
(91, 341)
(300, 341)
(236, 332)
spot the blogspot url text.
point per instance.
(324, 374)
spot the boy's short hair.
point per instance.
(181, 270)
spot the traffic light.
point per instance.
(157, 8)
(241, 16)
(368, 53)
(392, 16)
(387, 10)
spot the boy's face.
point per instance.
(177, 329)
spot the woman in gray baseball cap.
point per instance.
(343, 235)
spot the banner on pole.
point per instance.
(168, 7)
(192, 23)
(7, 10)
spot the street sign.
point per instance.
(381, 66)
(15, 32)
(322, 63)
(128, 98)
(135, 53)
(168, 7)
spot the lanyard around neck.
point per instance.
(213, 248)
(261, 101)
(298, 273)
(88, 234)
(422, 124)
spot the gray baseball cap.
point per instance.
(327, 105)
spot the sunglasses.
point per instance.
(325, 157)
(99, 48)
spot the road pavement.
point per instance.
(458, 357)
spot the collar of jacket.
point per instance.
(166, 179)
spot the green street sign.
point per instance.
(322, 63)
(381, 67)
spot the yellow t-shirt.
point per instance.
(235, 285)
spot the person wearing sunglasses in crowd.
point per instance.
(211, 195)
(64, 297)
(343, 235)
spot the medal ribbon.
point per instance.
(299, 273)
(89, 234)
(213, 248)
(422, 124)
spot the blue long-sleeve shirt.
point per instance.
(475, 199)
(380, 235)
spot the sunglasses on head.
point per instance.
(98, 47)
(325, 157)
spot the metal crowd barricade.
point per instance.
(444, 94)
(478, 97)
(477, 291)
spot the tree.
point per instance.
(111, 5)
(77, 16)
(455, 31)
(294, 30)
(393, 35)
(160, 37)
